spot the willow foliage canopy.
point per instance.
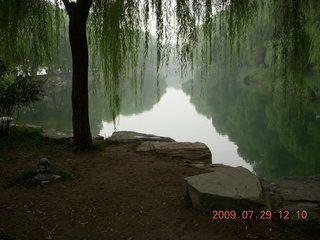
(31, 32)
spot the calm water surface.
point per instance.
(174, 116)
(243, 123)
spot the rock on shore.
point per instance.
(293, 194)
(225, 188)
(229, 188)
(194, 152)
(184, 150)
(129, 136)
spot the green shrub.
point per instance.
(26, 178)
(16, 90)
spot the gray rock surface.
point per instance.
(229, 188)
(310, 223)
(57, 135)
(46, 178)
(184, 150)
(301, 193)
(225, 188)
(128, 136)
(305, 189)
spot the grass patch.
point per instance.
(108, 142)
(98, 144)
(64, 175)
(101, 144)
(31, 139)
(26, 178)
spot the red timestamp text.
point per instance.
(261, 215)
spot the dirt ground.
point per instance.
(116, 193)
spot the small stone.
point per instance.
(98, 137)
(46, 178)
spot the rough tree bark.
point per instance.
(78, 14)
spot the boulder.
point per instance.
(229, 188)
(301, 193)
(128, 136)
(180, 150)
(309, 222)
(301, 188)
(292, 191)
(225, 188)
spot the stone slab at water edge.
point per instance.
(196, 152)
(229, 188)
(293, 194)
(129, 136)
(225, 188)
(179, 150)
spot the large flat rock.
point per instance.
(129, 136)
(184, 150)
(297, 193)
(301, 188)
(225, 188)
(310, 222)
(57, 135)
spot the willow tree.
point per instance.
(120, 31)
(118, 26)
(78, 14)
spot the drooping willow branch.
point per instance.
(120, 33)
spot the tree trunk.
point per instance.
(78, 14)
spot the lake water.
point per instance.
(243, 124)
(174, 116)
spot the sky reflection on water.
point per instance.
(174, 116)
